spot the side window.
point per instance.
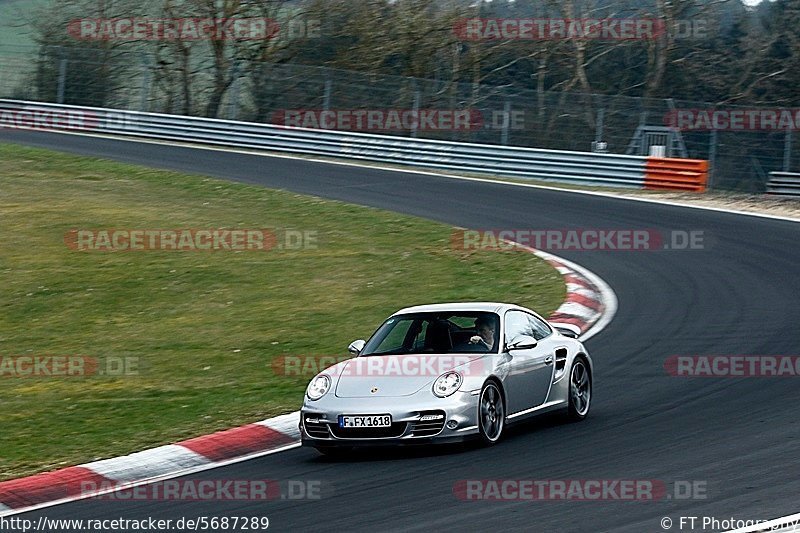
(517, 324)
(540, 328)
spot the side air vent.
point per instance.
(561, 362)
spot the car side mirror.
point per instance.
(521, 342)
(356, 346)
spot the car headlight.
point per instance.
(318, 387)
(447, 384)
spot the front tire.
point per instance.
(580, 390)
(491, 413)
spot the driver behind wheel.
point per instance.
(485, 337)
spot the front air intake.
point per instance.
(430, 423)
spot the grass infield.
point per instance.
(197, 329)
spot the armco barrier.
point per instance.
(784, 183)
(506, 161)
(676, 174)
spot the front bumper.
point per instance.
(421, 418)
(380, 443)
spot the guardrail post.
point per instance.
(598, 131)
(62, 80)
(787, 151)
(416, 113)
(144, 100)
(712, 157)
(233, 100)
(326, 98)
(506, 121)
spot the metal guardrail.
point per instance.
(515, 162)
(784, 183)
(676, 174)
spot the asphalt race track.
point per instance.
(738, 296)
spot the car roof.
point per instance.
(489, 307)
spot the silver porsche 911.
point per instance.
(447, 372)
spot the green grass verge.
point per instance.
(205, 326)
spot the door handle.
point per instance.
(548, 360)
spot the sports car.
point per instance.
(447, 372)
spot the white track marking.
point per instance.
(578, 310)
(574, 288)
(286, 424)
(186, 472)
(148, 463)
(608, 297)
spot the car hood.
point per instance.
(393, 375)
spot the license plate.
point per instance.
(365, 421)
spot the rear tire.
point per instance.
(491, 414)
(580, 390)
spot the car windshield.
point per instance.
(436, 333)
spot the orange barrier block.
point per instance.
(676, 174)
